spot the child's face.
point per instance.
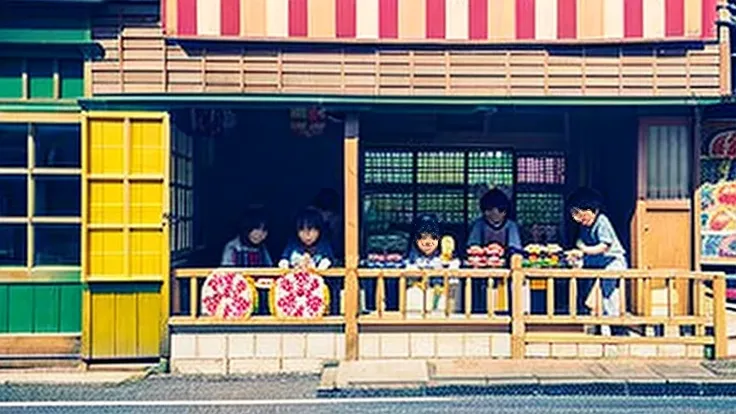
(495, 216)
(257, 236)
(584, 217)
(308, 236)
(427, 244)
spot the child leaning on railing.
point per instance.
(601, 248)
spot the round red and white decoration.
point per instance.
(228, 295)
(299, 295)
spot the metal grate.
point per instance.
(448, 205)
(491, 168)
(388, 167)
(381, 210)
(441, 167)
(543, 169)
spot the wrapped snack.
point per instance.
(448, 249)
(574, 258)
(553, 254)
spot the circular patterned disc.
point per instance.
(301, 295)
(228, 295)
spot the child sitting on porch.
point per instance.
(601, 248)
(309, 240)
(494, 226)
(248, 249)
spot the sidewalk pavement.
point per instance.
(528, 377)
(67, 377)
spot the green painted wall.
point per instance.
(40, 307)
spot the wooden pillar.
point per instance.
(352, 252)
(518, 345)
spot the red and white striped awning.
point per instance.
(431, 20)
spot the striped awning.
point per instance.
(433, 20)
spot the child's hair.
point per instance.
(495, 198)
(585, 198)
(426, 224)
(309, 218)
(327, 200)
(254, 217)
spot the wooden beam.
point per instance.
(352, 252)
(720, 333)
(518, 328)
(39, 344)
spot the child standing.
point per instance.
(600, 245)
(248, 249)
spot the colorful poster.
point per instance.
(718, 192)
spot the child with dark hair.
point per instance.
(495, 225)
(309, 240)
(424, 252)
(248, 249)
(600, 245)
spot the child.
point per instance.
(494, 227)
(600, 246)
(309, 239)
(425, 252)
(248, 249)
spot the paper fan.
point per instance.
(299, 295)
(228, 295)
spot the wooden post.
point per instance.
(719, 316)
(724, 51)
(352, 253)
(518, 348)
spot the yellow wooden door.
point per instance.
(125, 240)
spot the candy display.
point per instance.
(544, 256)
(718, 220)
(386, 251)
(489, 256)
(228, 295)
(300, 294)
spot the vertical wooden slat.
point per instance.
(193, 297)
(127, 148)
(567, 19)
(699, 306)
(518, 327)
(724, 54)
(633, 18)
(346, 18)
(388, 19)
(573, 296)
(402, 296)
(30, 196)
(674, 18)
(352, 253)
(468, 297)
(613, 19)
(720, 332)
(457, 19)
(446, 293)
(230, 17)
(545, 19)
(435, 18)
(478, 19)
(490, 295)
(622, 295)
(525, 19)
(171, 16)
(550, 297)
(277, 18)
(380, 294)
(654, 19)
(367, 19)
(426, 288)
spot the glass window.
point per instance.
(14, 145)
(58, 195)
(56, 244)
(13, 195)
(12, 244)
(57, 146)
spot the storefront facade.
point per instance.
(548, 71)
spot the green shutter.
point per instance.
(40, 78)
(11, 78)
(71, 78)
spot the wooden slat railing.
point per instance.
(707, 296)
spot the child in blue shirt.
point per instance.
(600, 245)
(309, 239)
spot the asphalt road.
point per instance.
(296, 394)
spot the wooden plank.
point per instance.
(255, 321)
(537, 337)
(39, 345)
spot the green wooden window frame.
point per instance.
(40, 78)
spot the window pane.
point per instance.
(11, 78)
(14, 145)
(58, 195)
(12, 244)
(71, 74)
(13, 195)
(57, 145)
(56, 245)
